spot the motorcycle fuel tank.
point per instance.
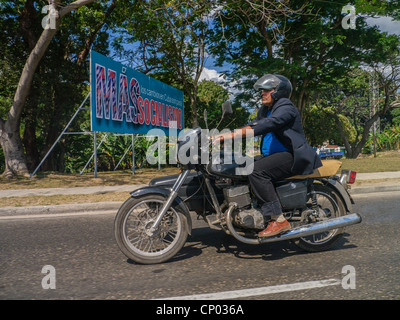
(231, 165)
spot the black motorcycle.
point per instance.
(153, 224)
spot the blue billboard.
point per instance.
(124, 100)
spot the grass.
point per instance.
(60, 180)
(69, 180)
(386, 161)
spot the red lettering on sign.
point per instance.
(141, 112)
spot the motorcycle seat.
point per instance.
(329, 168)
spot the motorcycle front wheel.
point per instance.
(133, 221)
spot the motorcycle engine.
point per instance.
(244, 217)
(249, 219)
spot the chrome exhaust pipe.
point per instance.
(298, 232)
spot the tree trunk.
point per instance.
(15, 160)
(353, 150)
(10, 137)
(193, 103)
(30, 145)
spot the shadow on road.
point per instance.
(203, 238)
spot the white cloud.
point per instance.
(217, 77)
(385, 24)
(209, 74)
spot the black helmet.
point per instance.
(281, 84)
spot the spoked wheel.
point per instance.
(329, 205)
(132, 230)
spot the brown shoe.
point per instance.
(274, 228)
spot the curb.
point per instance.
(374, 189)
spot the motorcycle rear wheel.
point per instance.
(330, 205)
(136, 216)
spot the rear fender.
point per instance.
(178, 202)
(337, 186)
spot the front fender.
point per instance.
(178, 202)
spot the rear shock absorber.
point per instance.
(314, 203)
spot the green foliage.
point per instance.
(60, 81)
(320, 126)
(169, 40)
(378, 8)
(387, 140)
(307, 44)
(395, 116)
(211, 96)
(353, 104)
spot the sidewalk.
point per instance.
(381, 186)
(67, 191)
(378, 175)
(391, 184)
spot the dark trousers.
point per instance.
(268, 169)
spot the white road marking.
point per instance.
(238, 294)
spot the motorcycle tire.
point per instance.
(136, 216)
(331, 205)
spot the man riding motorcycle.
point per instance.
(284, 149)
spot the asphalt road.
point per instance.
(85, 262)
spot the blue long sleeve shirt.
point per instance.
(271, 144)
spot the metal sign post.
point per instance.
(62, 133)
(95, 147)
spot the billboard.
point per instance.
(124, 100)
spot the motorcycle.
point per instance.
(152, 225)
